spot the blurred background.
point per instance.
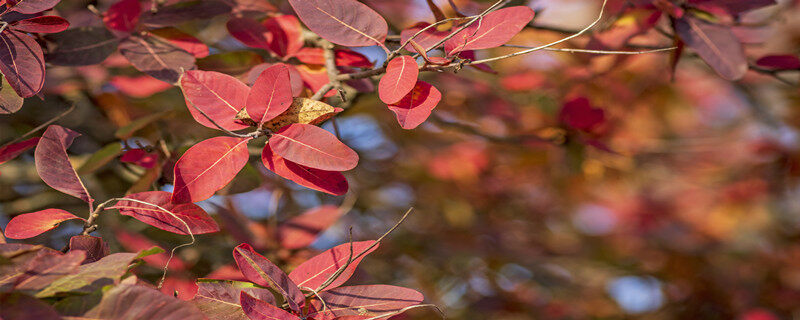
(680, 199)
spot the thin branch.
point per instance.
(574, 50)
(231, 133)
(494, 7)
(437, 23)
(391, 314)
(41, 126)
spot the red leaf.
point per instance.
(140, 157)
(295, 79)
(250, 32)
(271, 94)
(331, 182)
(366, 300)
(52, 162)
(33, 6)
(220, 299)
(401, 76)
(256, 309)
(313, 147)
(139, 86)
(300, 231)
(46, 268)
(314, 272)
(207, 167)
(136, 243)
(579, 114)
(343, 58)
(22, 63)
(147, 210)
(156, 56)
(314, 78)
(494, 30)
(28, 225)
(344, 22)
(425, 39)
(123, 15)
(780, 62)
(94, 247)
(261, 271)
(287, 35)
(19, 306)
(417, 105)
(219, 95)
(184, 41)
(43, 24)
(15, 149)
(140, 302)
(715, 44)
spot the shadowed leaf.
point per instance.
(52, 162)
(156, 56)
(219, 299)
(256, 309)
(15, 149)
(81, 46)
(715, 44)
(22, 63)
(261, 271)
(138, 302)
(367, 301)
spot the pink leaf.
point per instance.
(156, 56)
(147, 210)
(417, 105)
(140, 157)
(123, 15)
(15, 149)
(779, 62)
(52, 162)
(300, 231)
(313, 147)
(43, 24)
(494, 30)
(344, 22)
(184, 41)
(22, 63)
(426, 39)
(331, 182)
(250, 32)
(219, 95)
(343, 58)
(315, 271)
(366, 300)
(256, 309)
(33, 6)
(207, 167)
(28, 225)
(401, 76)
(134, 242)
(261, 271)
(139, 86)
(287, 35)
(271, 94)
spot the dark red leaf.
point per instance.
(33, 6)
(220, 299)
(779, 62)
(43, 24)
(579, 114)
(219, 95)
(271, 94)
(494, 30)
(331, 182)
(123, 15)
(15, 149)
(140, 157)
(261, 271)
(156, 56)
(28, 225)
(22, 63)
(146, 209)
(367, 301)
(300, 231)
(94, 247)
(81, 46)
(343, 58)
(315, 271)
(417, 105)
(46, 268)
(207, 167)
(345, 22)
(52, 162)
(401, 76)
(139, 302)
(715, 44)
(18, 306)
(735, 6)
(287, 35)
(313, 147)
(250, 32)
(184, 11)
(256, 309)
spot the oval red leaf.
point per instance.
(401, 76)
(123, 15)
(344, 58)
(300, 231)
(156, 209)
(315, 271)
(15, 149)
(219, 95)
(344, 22)
(271, 94)
(22, 63)
(52, 162)
(314, 147)
(331, 182)
(207, 167)
(263, 272)
(417, 105)
(256, 309)
(366, 300)
(287, 35)
(28, 225)
(43, 24)
(494, 30)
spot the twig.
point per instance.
(231, 133)
(405, 43)
(41, 126)
(466, 25)
(387, 315)
(573, 50)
